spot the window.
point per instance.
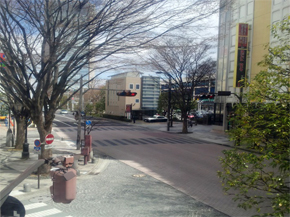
(286, 12)
(276, 16)
(136, 100)
(131, 86)
(250, 8)
(242, 11)
(233, 39)
(137, 86)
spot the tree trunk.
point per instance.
(184, 126)
(20, 135)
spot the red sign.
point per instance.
(49, 139)
(243, 29)
(2, 58)
(128, 108)
(241, 54)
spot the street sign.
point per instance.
(49, 139)
(37, 148)
(88, 122)
(49, 146)
(37, 143)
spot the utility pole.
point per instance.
(80, 115)
(169, 103)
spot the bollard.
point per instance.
(85, 152)
(76, 163)
(26, 187)
(93, 160)
(9, 137)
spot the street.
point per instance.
(181, 161)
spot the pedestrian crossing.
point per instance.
(103, 129)
(145, 141)
(43, 210)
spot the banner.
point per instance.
(241, 54)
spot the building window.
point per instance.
(136, 100)
(131, 86)
(242, 11)
(275, 2)
(286, 12)
(250, 8)
(137, 86)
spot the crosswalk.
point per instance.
(146, 141)
(64, 129)
(43, 210)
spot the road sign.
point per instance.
(37, 143)
(37, 148)
(88, 122)
(49, 146)
(49, 139)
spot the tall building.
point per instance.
(244, 31)
(150, 93)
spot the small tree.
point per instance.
(100, 101)
(258, 175)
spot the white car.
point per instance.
(155, 118)
(63, 111)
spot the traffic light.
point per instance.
(126, 93)
(202, 97)
(207, 97)
(224, 93)
(210, 96)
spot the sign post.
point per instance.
(37, 145)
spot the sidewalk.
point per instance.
(12, 165)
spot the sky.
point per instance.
(208, 29)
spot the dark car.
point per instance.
(155, 118)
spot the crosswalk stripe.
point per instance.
(34, 205)
(44, 213)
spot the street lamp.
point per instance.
(169, 98)
(25, 151)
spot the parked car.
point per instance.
(199, 114)
(155, 118)
(190, 115)
(63, 111)
(2, 117)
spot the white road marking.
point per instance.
(64, 123)
(44, 213)
(34, 205)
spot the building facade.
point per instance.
(123, 106)
(244, 31)
(150, 92)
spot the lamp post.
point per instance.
(25, 150)
(169, 98)
(80, 109)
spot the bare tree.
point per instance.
(48, 43)
(184, 65)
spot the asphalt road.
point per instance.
(185, 163)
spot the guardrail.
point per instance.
(6, 191)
